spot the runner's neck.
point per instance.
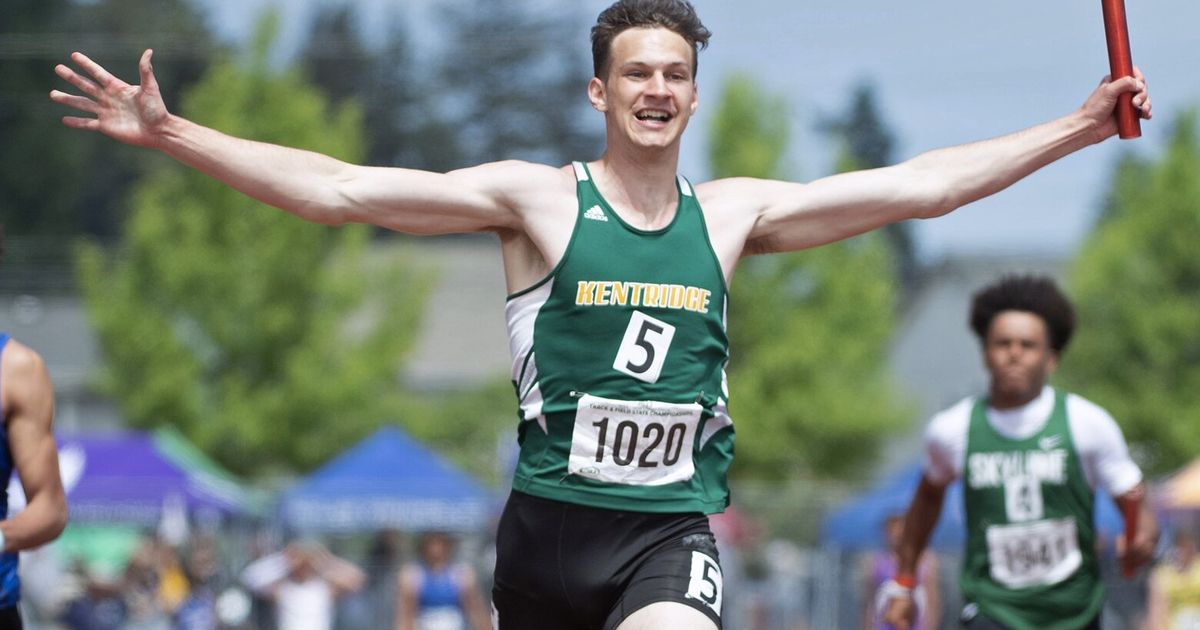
(645, 196)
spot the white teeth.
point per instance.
(654, 115)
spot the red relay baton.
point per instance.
(1120, 63)
(1130, 509)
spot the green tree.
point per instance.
(270, 342)
(404, 129)
(55, 181)
(398, 104)
(809, 329)
(513, 80)
(1136, 284)
(749, 131)
(469, 425)
(864, 141)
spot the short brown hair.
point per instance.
(677, 16)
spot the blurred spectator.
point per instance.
(384, 556)
(438, 592)
(262, 609)
(881, 566)
(303, 582)
(46, 586)
(375, 606)
(736, 534)
(98, 604)
(1174, 597)
(146, 597)
(198, 610)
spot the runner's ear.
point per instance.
(598, 94)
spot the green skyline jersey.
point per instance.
(1031, 560)
(619, 365)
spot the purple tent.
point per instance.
(124, 477)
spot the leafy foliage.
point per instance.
(513, 81)
(865, 142)
(57, 181)
(809, 330)
(270, 342)
(749, 132)
(1136, 285)
(397, 100)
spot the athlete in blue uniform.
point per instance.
(26, 446)
(621, 445)
(439, 592)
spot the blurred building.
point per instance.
(40, 307)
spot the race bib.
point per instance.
(643, 443)
(1033, 554)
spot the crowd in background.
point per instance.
(246, 581)
(241, 579)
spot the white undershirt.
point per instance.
(1098, 440)
(304, 605)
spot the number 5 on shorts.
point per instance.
(644, 348)
(706, 582)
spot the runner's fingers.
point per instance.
(79, 81)
(78, 102)
(75, 122)
(146, 70)
(1144, 106)
(98, 73)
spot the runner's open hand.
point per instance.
(132, 114)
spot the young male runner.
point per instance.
(617, 270)
(1030, 457)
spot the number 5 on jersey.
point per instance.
(644, 347)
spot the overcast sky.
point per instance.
(946, 72)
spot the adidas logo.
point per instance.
(595, 213)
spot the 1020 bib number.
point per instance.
(635, 443)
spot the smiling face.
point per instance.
(649, 92)
(1018, 357)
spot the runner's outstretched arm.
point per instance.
(312, 186)
(791, 216)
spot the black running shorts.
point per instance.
(561, 566)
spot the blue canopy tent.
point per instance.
(858, 523)
(388, 480)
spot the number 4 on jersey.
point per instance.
(644, 347)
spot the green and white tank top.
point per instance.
(619, 365)
(1031, 560)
